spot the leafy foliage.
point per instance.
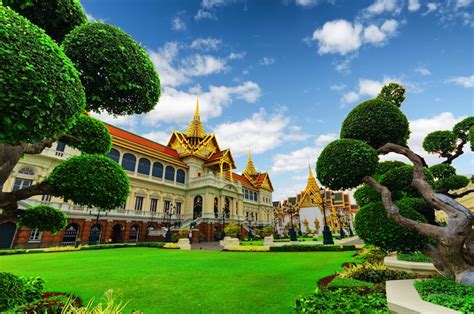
(365, 195)
(342, 301)
(57, 18)
(116, 72)
(40, 90)
(441, 142)
(372, 255)
(393, 93)
(375, 273)
(414, 257)
(374, 227)
(44, 218)
(376, 122)
(232, 230)
(340, 282)
(453, 182)
(441, 171)
(471, 137)
(312, 248)
(345, 162)
(93, 136)
(445, 292)
(385, 166)
(398, 178)
(33, 288)
(463, 128)
(91, 180)
(11, 291)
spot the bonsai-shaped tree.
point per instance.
(232, 230)
(403, 193)
(56, 68)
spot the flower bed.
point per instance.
(247, 248)
(312, 248)
(171, 246)
(414, 257)
(446, 292)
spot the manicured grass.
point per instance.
(169, 281)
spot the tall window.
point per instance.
(139, 203)
(128, 162)
(21, 183)
(169, 173)
(246, 194)
(60, 147)
(144, 166)
(27, 171)
(178, 208)
(46, 198)
(167, 205)
(153, 205)
(114, 155)
(180, 176)
(157, 170)
(35, 235)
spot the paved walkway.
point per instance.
(206, 246)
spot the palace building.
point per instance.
(306, 210)
(190, 182)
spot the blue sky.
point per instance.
(279, 77)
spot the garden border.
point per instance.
(392, 262)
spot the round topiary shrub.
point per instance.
(345, 162)
(116, 72)
(441, 171)
(11, 291)
(453, 182)
(440, 142)
(376, 122)
(44, 218)
(386, 166)
(365, 195)
(398, 178)
(91, 180)
(374, 227)
(393, 93)
(93, 136)
(57, 18)
(40, 90)
(463, 128)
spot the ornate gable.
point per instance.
(311, 196)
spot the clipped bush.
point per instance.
(57, 18)
(11, 291)
(376, 122)
(374, 227)
(463, 129)
(92, 134)
(33, 288)
(344, 163)
(373, 255)
(441, 171)
(348, 283)
(43, 217)
(312, 248)
(99, 52)
(183, 233)
(440, 142)
(453, 182)
(40, 90)
(375, 273)
(53, 249)
(91, 180)
(365, 195)
(248, 248)
(393, 93)
(416, 257)
(13, 252)
(232, 230)
(170, 246)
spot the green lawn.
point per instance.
(171, 281)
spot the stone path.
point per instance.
(206, 246)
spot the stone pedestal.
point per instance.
(184, 244)
(229, 242)
(268, 241)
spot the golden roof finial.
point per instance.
(310, 172)
(250, 168)
(195, 128)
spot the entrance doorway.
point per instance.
(7, 235)
(197, 208)
(117, 233)
(70, 234)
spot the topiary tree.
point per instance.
(232, 230)
(403, 189)
(43, 100)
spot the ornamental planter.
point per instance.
(392, 262)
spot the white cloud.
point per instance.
(463, 3)
(343, 37)
(92, 18)
(431, 7)
(236, 55)
(158, 136)
(337, 87)
(208, 8)
(311, 3)
(324, 139)
(464, 81)
(260, 133)
(266, 61)
(177, 24)
(128, 122)
(203, 14)
(173, 73)
(381, 6)
(295, 160)
(370, 88)
(206, 44)
(413, 5)
(178, 106)
(422, 70)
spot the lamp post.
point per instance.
(94, 236)
(223, 222)
(327, 234)
(291, 210)
(341, 231)
(249, 221)
(169, 212)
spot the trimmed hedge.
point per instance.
(92, 134)
(340, 282)
(312, 248)
(44, 218)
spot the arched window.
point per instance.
(144, 166)
(180, 176)
(27, 171)
(114, 155)
(128, 162)
(157, 170)
(169, 173)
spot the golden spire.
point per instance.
(312, 185)
(250, 168)
(195, 128)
